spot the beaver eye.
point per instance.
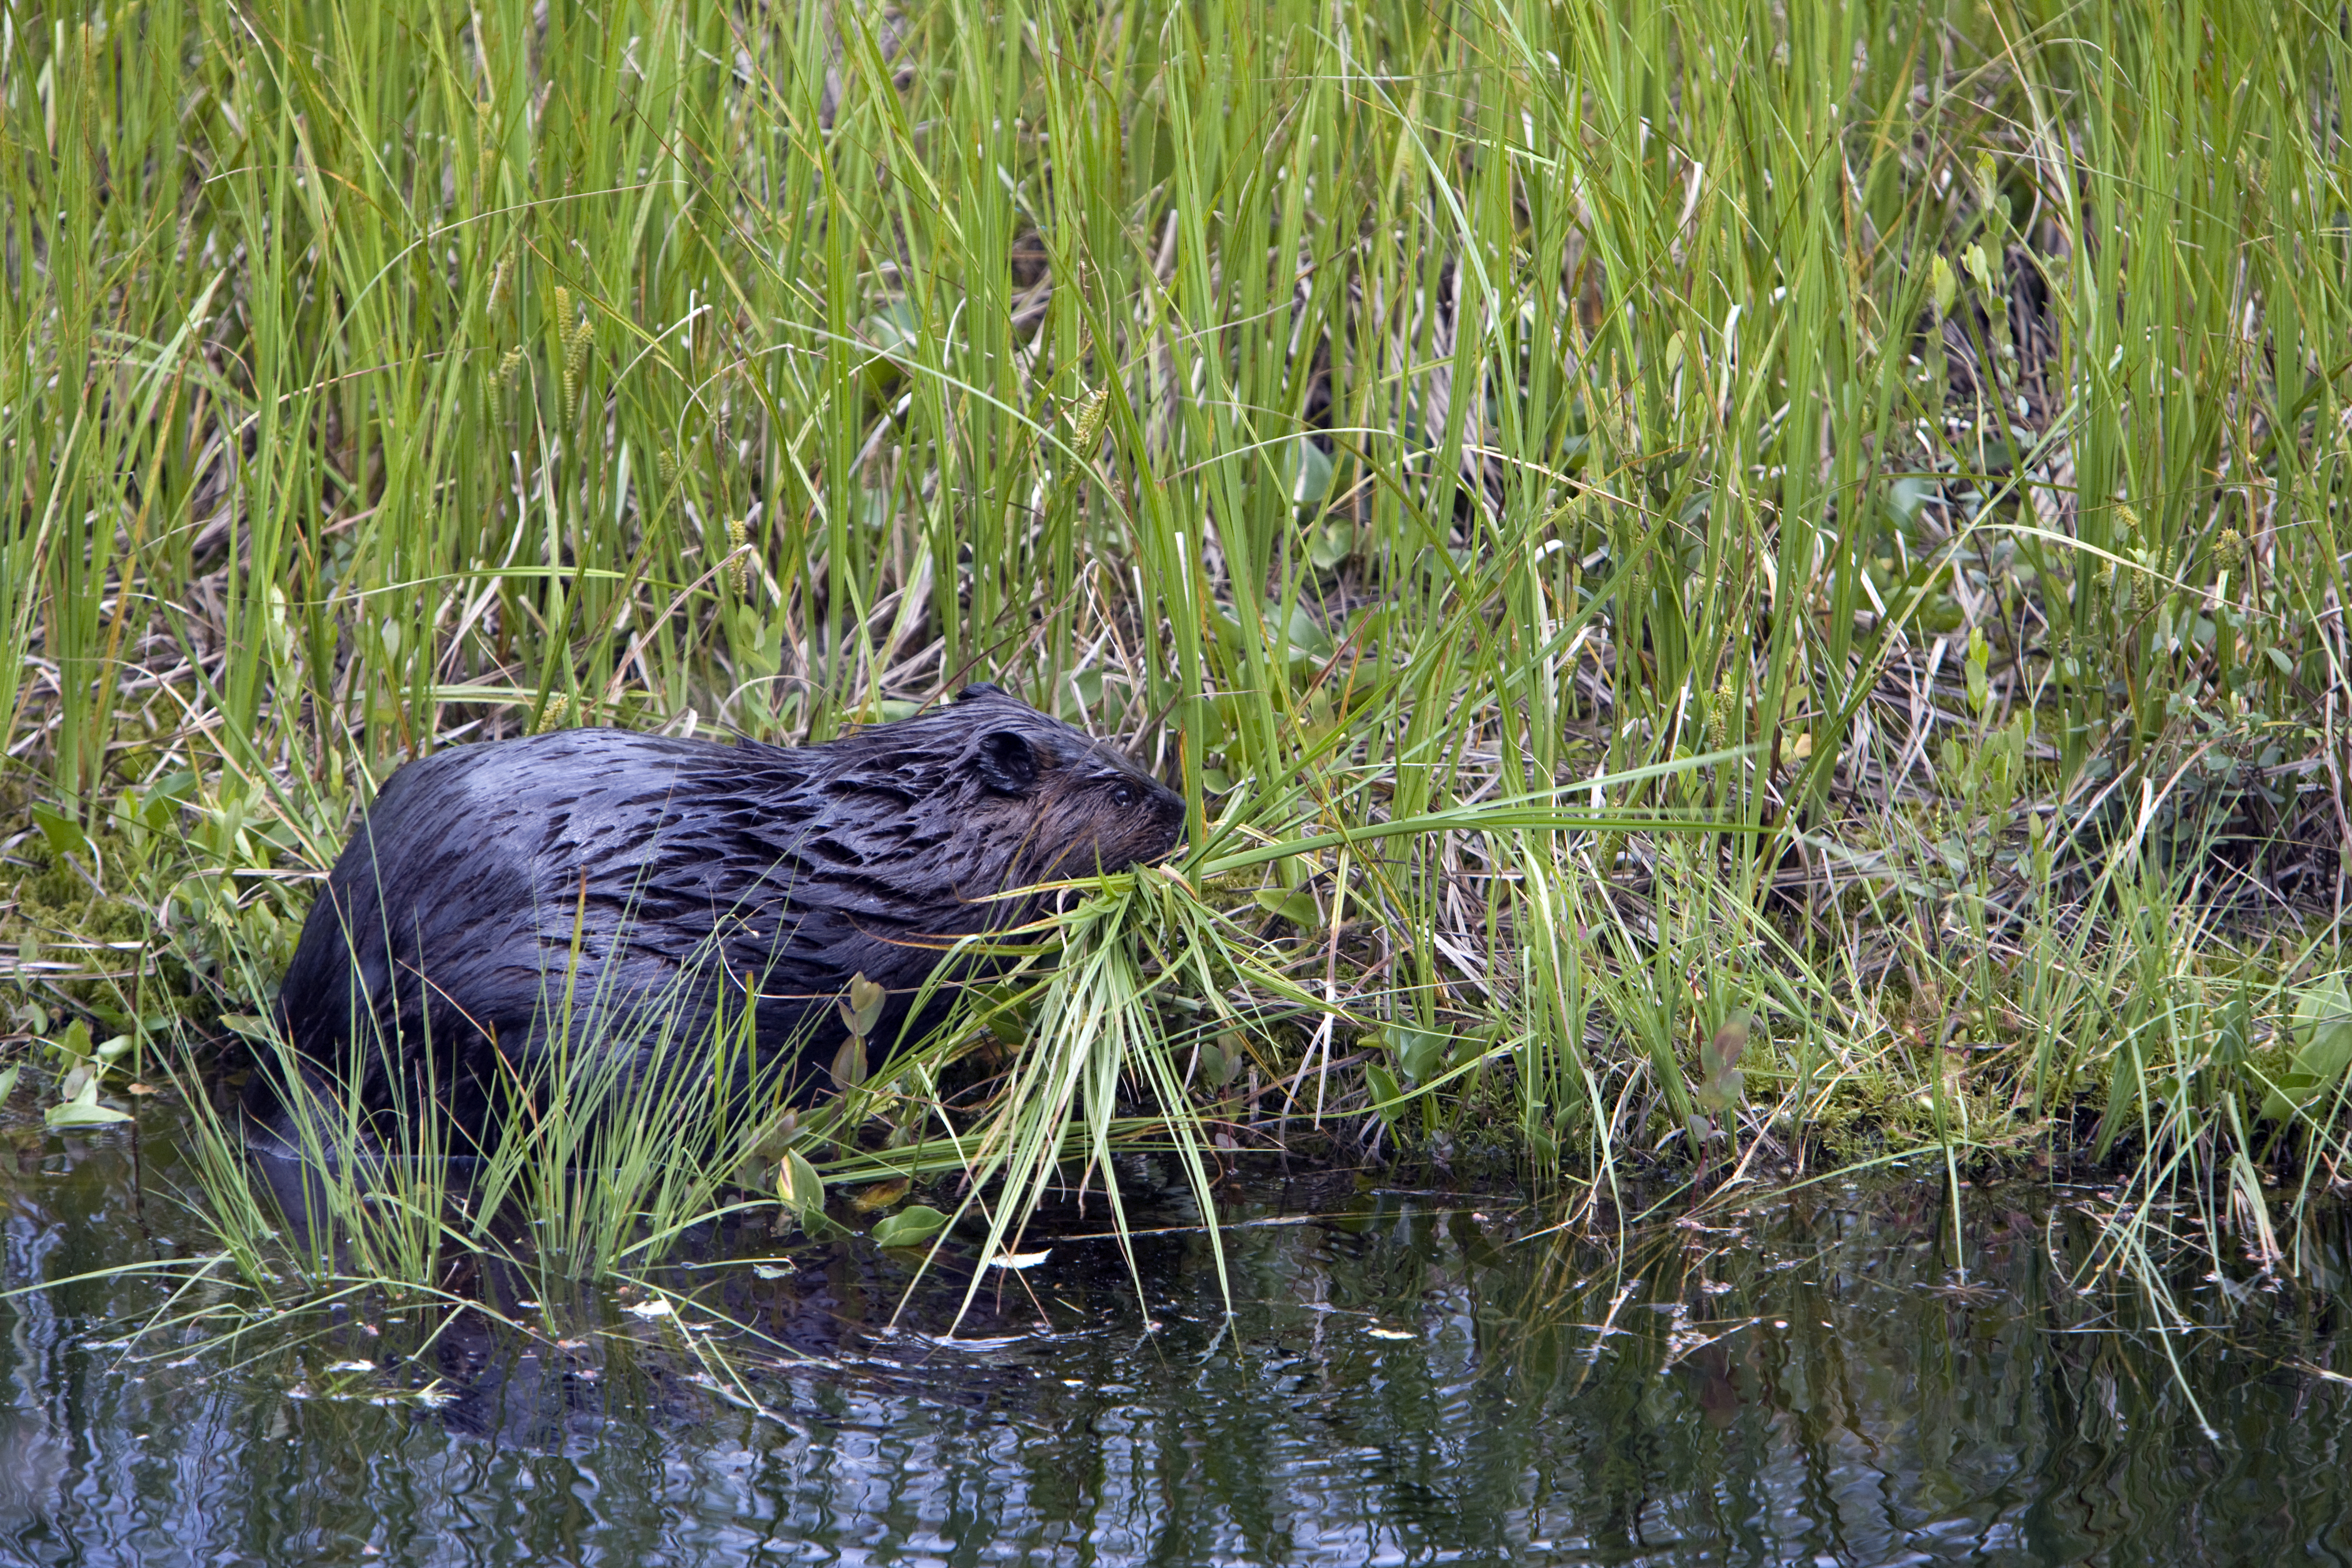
(1123, 797)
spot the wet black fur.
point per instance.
(445, 933)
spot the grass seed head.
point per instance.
(738, 547)
(1088, 424)
(576, 345)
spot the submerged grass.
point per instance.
(1728, 587)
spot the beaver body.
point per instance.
(626, 893)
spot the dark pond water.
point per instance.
(1411, 1378)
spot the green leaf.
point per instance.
(861, 1008)
(1296, 905)
(759, 635)
(895, 332)
(849, 1063)
(9, 1081)
(1420, 1053)
(2323, 1050)
(1979, 268)
(914, 1224)
(1330, 544)
(780, 1137)
(798, 1184)
(1308, 641)
(1310, 474)
(83, 1110)
(64, 834)
(1222, 1059)
(1721, 1085)
(1720, 1093)
(1721, 1053)
(1385, 1093)
(72, 1048)
(1905, 497)
(1301, 645)
(1944, 285)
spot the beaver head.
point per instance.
(981, 795)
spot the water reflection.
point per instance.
(1410, 1379)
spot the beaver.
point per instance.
(504, 903)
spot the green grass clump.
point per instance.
(1621, 523)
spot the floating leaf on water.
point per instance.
(82, 1109)
(916, 1223)
(880, 1195)
(656, 1308)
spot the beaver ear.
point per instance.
(1007, 763)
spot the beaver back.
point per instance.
(643, 892)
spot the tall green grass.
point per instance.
(1907, 440)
